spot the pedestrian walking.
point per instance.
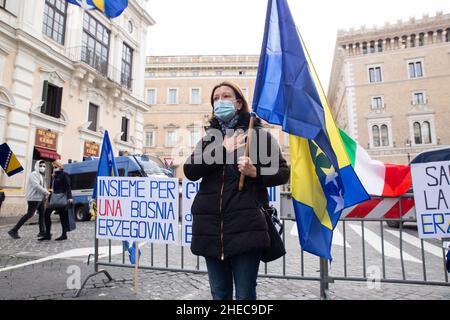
(36, 196)
(60, 200)
(229, 229)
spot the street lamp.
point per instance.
(408, 146)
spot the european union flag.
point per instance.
(106, 164)
(107, 168)
(111, 8)
(288, 93)
(8, 160)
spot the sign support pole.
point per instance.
(136, 266)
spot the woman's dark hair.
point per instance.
(237, 91)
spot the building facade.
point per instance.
(389, 86)
(66, 76)
(178, 89)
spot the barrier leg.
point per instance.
(96, 270)
(77, 294)
(324, 279)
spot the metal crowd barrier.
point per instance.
(295, 265)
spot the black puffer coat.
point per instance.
(227, 222)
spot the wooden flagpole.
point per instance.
(247, 147)
(136, 267)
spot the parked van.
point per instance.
(83, 175)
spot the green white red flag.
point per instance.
(378, 178)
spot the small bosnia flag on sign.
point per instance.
(8, 161)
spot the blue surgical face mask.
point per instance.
(224, 110)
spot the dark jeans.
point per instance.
(243, 269)
(32, 207)
(63, 217)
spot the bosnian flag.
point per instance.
(378, 178)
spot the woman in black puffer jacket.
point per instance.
(60, 184)
(228, 228)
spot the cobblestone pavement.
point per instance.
(61, 262)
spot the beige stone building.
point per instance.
(178, 89)
(66, 75)
(390, 86)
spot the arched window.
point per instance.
(364, 47)
(404, 43)
(439, 35)
(396, 42)
(372, 46)
(412, 41)
(417, 133)
(421, 39)
(426, 132)
(430, 37)
(384, 136)
(351, 49)
(357, 48)
(447, 35)
(380, 46)
(376, 136)
(388, 44)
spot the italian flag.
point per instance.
(378, 178)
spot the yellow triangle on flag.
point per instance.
(13, 164)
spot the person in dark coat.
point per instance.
(228, 227)
(60, 184)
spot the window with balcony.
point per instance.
(377, 103)
(55, 16)
(375, 74)
(415, 69)
(93, 117)
(125, 128)
(418, 98)
(52, 97)
(127, 66)
(95, 44)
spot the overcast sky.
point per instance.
(237, 26)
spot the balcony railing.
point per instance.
(419, 102)
(88, 56)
